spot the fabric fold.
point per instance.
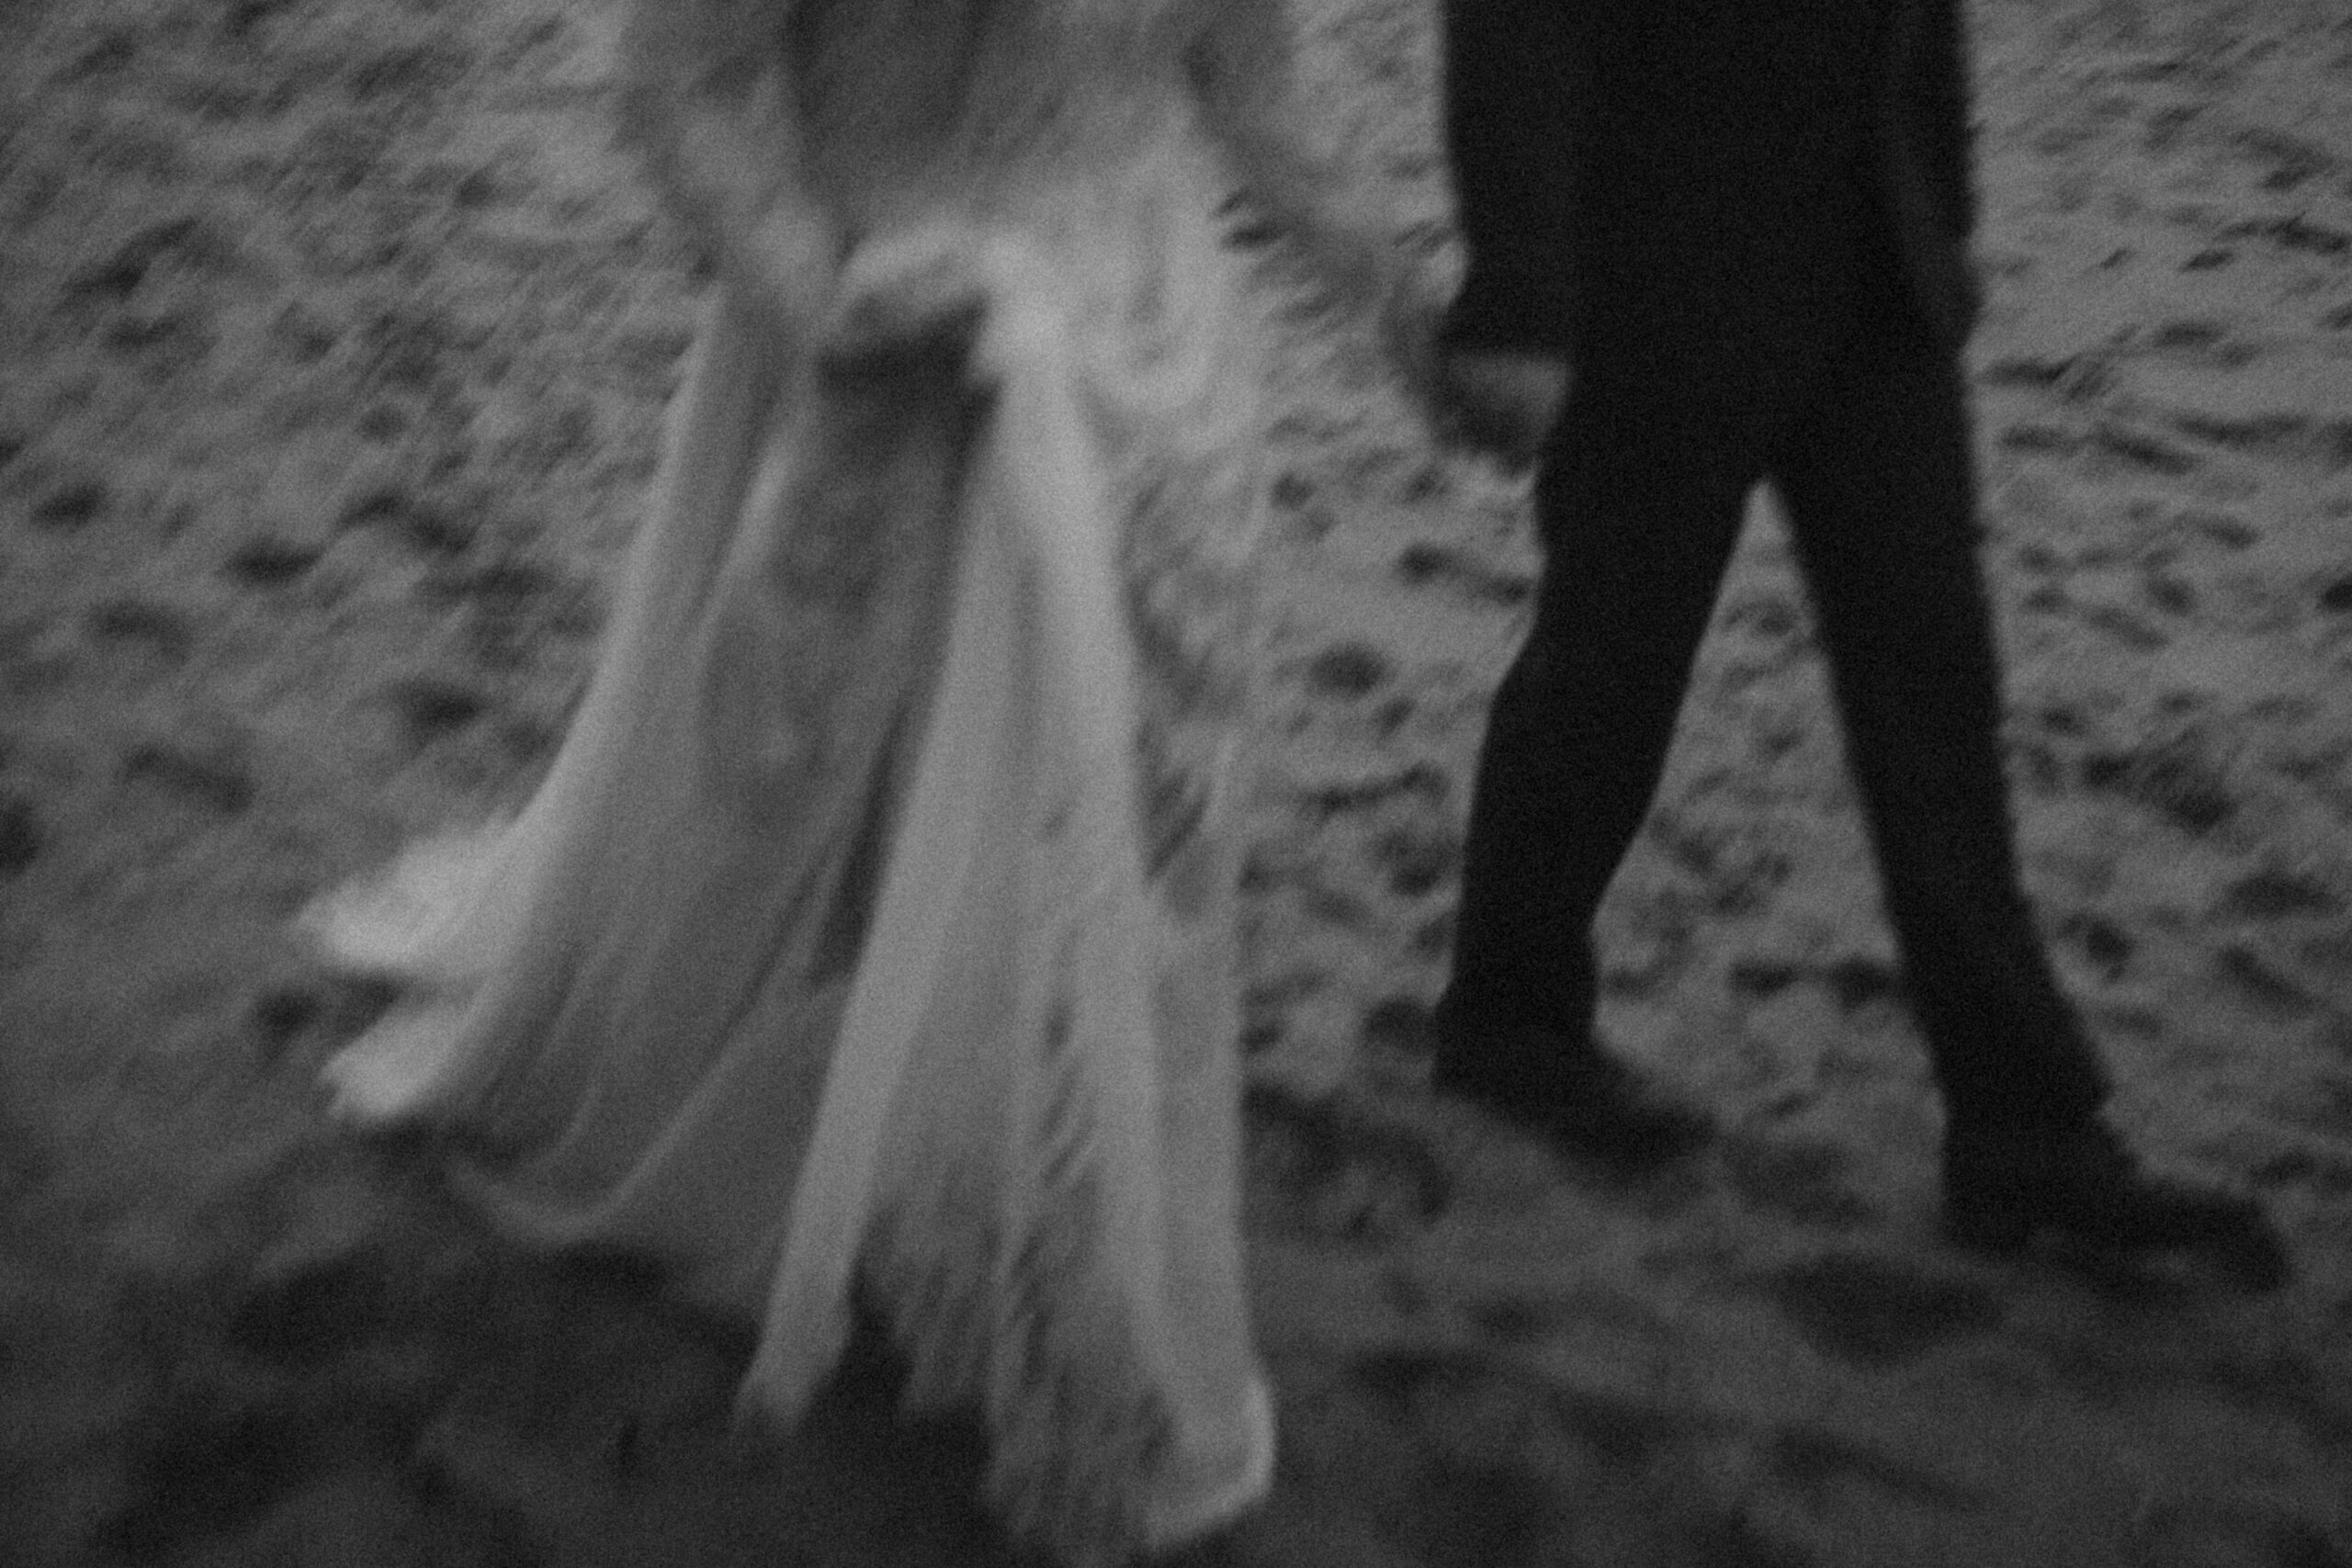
(871, 938)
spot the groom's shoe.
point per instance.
(1561, 1087)
(2006, 1185)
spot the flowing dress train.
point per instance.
(874, 929)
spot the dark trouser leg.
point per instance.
(1880, 482)
(1878, 478)
(1639, 503)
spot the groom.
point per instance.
(1745, 227)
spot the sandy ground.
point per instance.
(333, 340)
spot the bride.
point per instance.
(873, 933)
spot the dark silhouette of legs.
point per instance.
(1639, 502)
(1879, 479)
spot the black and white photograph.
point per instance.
(1175, 784)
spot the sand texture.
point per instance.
(334, 338)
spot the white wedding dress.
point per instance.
(874, 929)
